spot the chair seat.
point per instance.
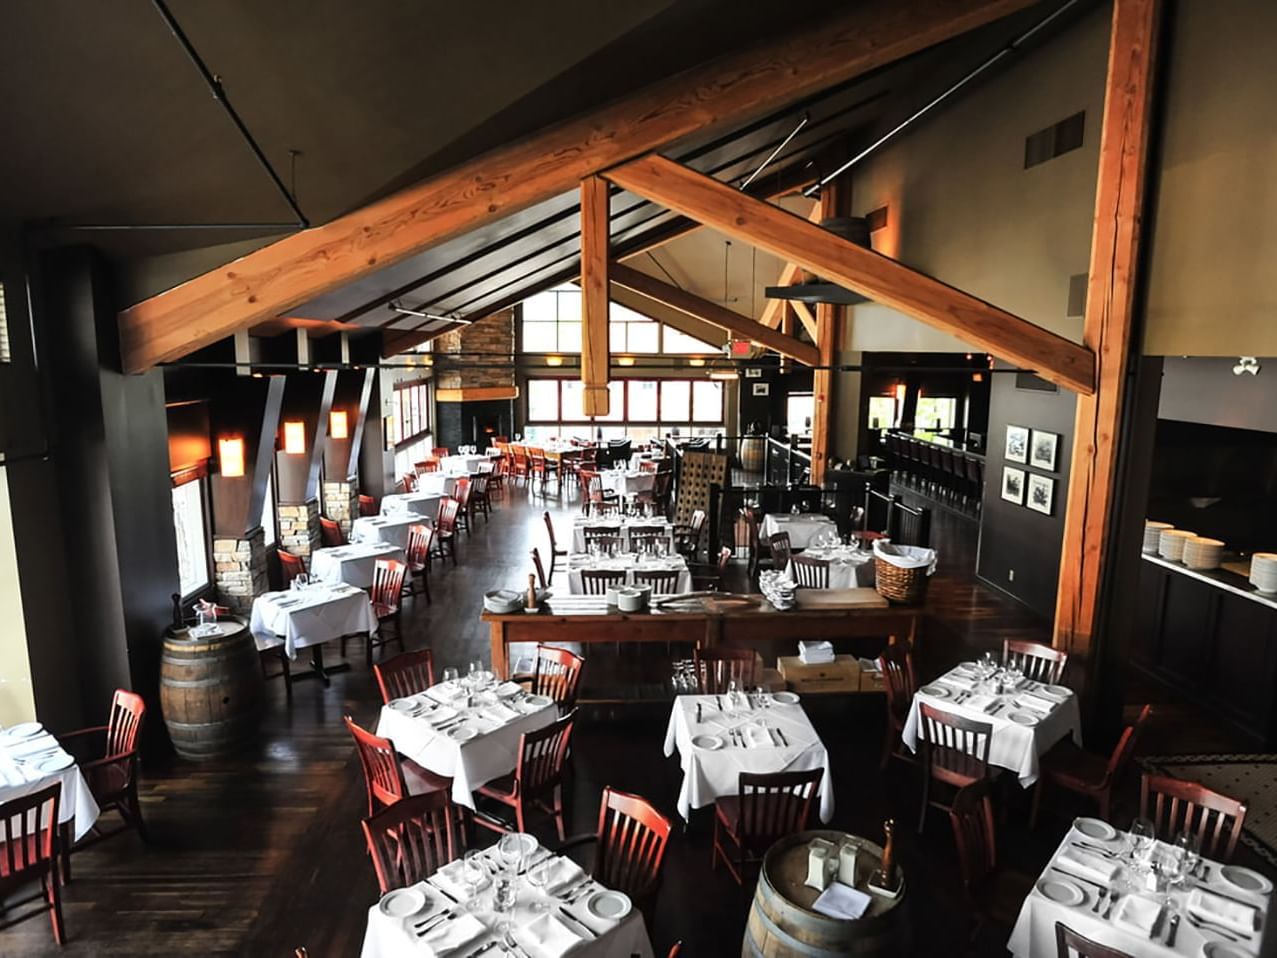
(108, 781)
(957, 767)
(1068, 765)
(502, 789)
(421, 780)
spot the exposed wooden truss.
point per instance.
(594, 295)
(835, 200)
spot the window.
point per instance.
(5, 355)
(411, 409)
(268, 512)
(936, 412)
(800, 410)
(882, 412)
(639, 408)
(552, 324)
(189, 528)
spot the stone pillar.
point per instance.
(299, 527)
(341, 503)
(239, 570)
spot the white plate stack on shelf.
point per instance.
(1201, 553)
(1170, 545)
(1263, 571)
(1153, 534)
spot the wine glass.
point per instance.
(1189, 854)
(1141, 838)
(450, 675)
(538, 875)
(510, 848)
(472, 870)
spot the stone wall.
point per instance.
(484, 354)
(299, 527)
(239, 570)
(341, 503)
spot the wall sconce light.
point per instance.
(977, 377)
(554, 360)
(388, 422)
(337, 425)
(1246, 364)
(724, 375)
(295, 438)
(696, 362)
(230, 457)
(625, 360)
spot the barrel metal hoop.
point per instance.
(790, 941)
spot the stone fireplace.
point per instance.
(475, 386)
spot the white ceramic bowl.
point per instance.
(1171, 543)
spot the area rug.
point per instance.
(1251, 778)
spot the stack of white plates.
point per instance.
(1170, 545)
(503, 601)
(1203, 553)
(1263, 571)
(1153, 534)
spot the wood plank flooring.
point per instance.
(259, 854)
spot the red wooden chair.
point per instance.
(810, 573)
(387, 776)
(420, 539)
(557, 675)
(543, 469)
(480, 502)
(555, 552)
(1037, 661)
(461, 492)
(408, 482)
(769, 806)
(112, 774)
(293, 565)
(446, 528)
(895, 664)
(386, 594)
(367, 506)
(1094, 776)
(631, 838)
(953, 750)
(536, 784)
(520, 456)
(426, 465)
(330, 533)
(994, 894)
(406, 674)
(715, 668)
(28, 826)
(1174, 805)
(440, 451)
(412, 839)
(1072, 944)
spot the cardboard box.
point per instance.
(840, 675)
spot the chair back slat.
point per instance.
(541, 757)
(412, 839)
(973, 833)
(383, 776)
(1037, 661)
(1180, 806)
(662, 581)
(773, 805)
(28, 825)
(387, 582)
(781, 552)
(123, 727)
(810, 573)
(409, 673)
(420, 539)
(558, 676)
(717, 668)
(895, 664)
(631, 848)
(598, 581)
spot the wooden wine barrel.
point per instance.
(781, 923)
(211, 691)
(753, 450)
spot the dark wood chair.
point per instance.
(386, 594)
(953, 750)
(659, 495)
(598, 581)
(717, 667)
(631, 840)
(767, 808)
(28, 830)
(994, 894)
(1174, 806)
(461, 493)
(536, 784)
(557, 675)
(555, 552)
(594, 498)
(367, 506)
(108, 760)
(642, 537)
(709, 578)
(810, 573)
(420, 540)
(900, 683)
(1071, 944)
(388, 777)
(408, 673)
(412, 839)
(330, 533)
(480, 501)
(446, 528)
(662, 581)
(1037, 661)
(608, 536)
(540, 569)
(1093, 776)
(781, 552)
(687, 538)
(292, 565)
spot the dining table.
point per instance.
(849, 567)
(32, 759)
(1095, 885)
(626, 482)
(310, 616)
(454, 913)
(1026, 719)
(436, 483)
(460, 465)
(625, 524)
(719, 736)
(803, 528)
(470, 737)
(627, 563)
(419, 503)
(353, 563)
(387, 529)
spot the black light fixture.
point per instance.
(398, 307)
(813, 289)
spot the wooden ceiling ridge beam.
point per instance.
(884, 280)
(712, 313)
(731, 89)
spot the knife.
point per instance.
(719, 700)
(1170, 932)
(567, 914)
(783, 741)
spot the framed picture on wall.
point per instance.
(1042, 450)
(1017, 446)
(1041, 496)
(753, 372)
(1013, 485)
(762, 389)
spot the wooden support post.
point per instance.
(594, 290)
(835, 200)
(1108, 326)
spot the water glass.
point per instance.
(1140, 841)
(538, 875)
(450, 675)
(472, 870)
(1188, 849)
(510, 848)
(504, 900)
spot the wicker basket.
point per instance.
(907, 586)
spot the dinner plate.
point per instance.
(24, 730)
(609, 905)
(1094, 828)
(406, 706)
(785, 698)
(461, 733)
(538, 701)
(935, 691)
(528, 844)
(965, 667)
(1023, 718)
(1245, 879)
(57, 763)
(1061, 892)
(402, 902)
(1057, 691)
(711, 742)
(1223, 949)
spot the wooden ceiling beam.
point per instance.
(884, 280)
(713, 313)
(732, 89)
(595, 269)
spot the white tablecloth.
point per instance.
(626, 482)
(1014, 747)
(402, 504)
(436, 483)
(19, 778)
(627, 564)
(310, 616)
(390, 938)
(492, 753)
(391, 530)
(802, 528)
(848, 568)
(1034, 932)
(708, 774)
(581, 523)
(460, 465)
(352, 564)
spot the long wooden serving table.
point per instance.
(588, 619)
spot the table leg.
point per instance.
(499, 651)
(317, 668)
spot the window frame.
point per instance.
(411, 406)
(618, 315)
(661, 424)
(197, 476)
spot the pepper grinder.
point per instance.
(885, 876)
(532, 592)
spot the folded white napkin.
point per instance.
(816, 648)
(497, 714)
(441, 714)
(453, 935)
(507, 689)
(756, 737)
(452, 879)
(980, 702)
(1038, 700)
(1086, 865)
(842, 901)
(1222, 911)
(815, 658)
(561, 873)
(1139, 914)
(548, 936)
(958, 681)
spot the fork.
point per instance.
(1108, 912)
(1215, 929)
(1099, 900)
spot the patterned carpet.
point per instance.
(1250, 778)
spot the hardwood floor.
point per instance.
(261, 853)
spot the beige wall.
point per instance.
(17, 703)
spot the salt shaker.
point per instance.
(819, 860)
(847, 853)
